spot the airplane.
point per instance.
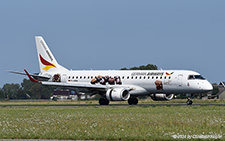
(116, 85)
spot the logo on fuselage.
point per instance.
(169, 74)
(147, 73)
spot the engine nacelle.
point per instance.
(162, 97)
(117, 94)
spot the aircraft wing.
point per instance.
(68, 84)
(75, 84)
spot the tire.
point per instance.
(54, 98)
(189, 102)
(103, 101)
(133, 101)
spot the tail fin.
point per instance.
(47, 61)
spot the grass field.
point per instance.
(94, 102)
(109, 122)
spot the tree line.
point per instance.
(26, 90)
(143, 67)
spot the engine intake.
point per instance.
(162, 97)
(117, 94)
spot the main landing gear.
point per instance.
(133, 101)
(103, 101)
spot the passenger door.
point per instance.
(179, 80)
(64, 78)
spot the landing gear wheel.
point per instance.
(54, 98)
(103, 101)
(133, 101)
(189, 102)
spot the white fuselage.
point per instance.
(144, 82)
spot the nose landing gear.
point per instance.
(189, 101)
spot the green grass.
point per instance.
(142, 102)
(111, 123)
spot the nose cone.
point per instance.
(207, 87)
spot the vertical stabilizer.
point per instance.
(47, 61)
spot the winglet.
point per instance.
(31, 79)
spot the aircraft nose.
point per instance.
(207, 86)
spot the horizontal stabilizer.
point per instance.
(38, 77)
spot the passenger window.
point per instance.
(152, 77)
(161, 77)
(165, 77)
(156, 77)
(140, 77)
(81, 77)
(127, 77)
(169, 77)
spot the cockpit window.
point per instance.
(199, 77)
(191, 77)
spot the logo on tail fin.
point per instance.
(47, 64)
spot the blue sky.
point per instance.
(100, 34)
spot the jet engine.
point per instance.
(117, 94)
(162, 97)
